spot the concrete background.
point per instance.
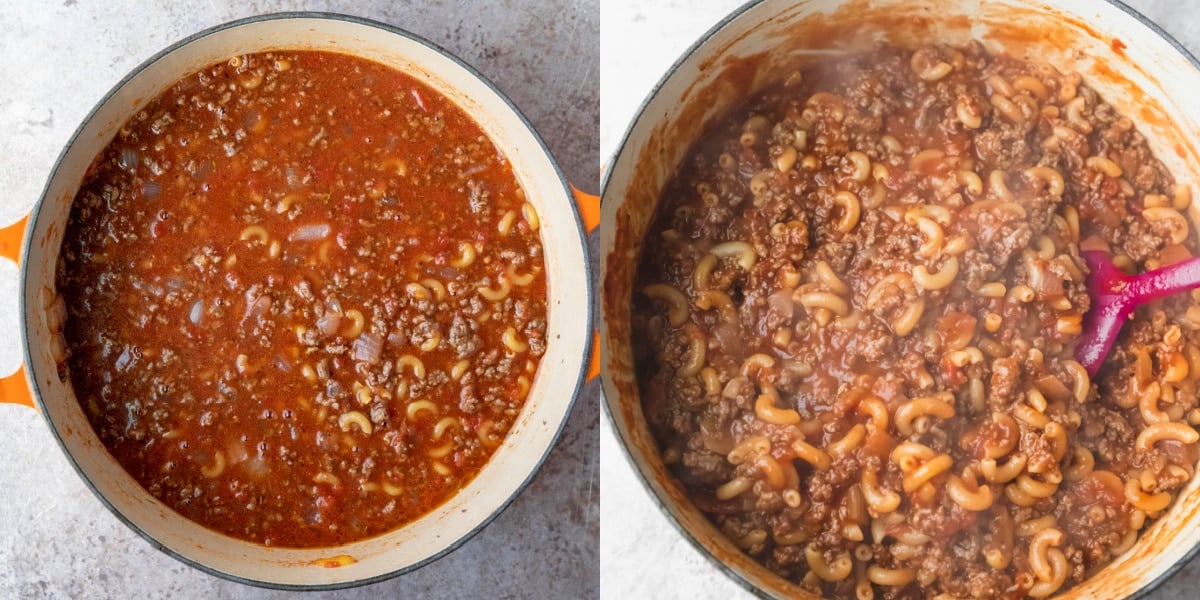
(56, 60)
(641, 554)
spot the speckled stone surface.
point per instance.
(641, 553)
(57, 59)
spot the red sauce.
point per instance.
(305, 298)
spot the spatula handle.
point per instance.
(1159, 283)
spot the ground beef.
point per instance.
(706, 468)
(463, 337)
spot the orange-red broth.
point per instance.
(252, 266)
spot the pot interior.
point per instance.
(1128, 61)
(545, 410)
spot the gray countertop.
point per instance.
(56, 60)
(641, 554)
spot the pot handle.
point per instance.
(589, 208)
(589, 212)
(14, 388)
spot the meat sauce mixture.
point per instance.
(304, 298)
(857, 310)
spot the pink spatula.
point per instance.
(1115, 295)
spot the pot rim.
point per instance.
(622, 147)
(37, 210)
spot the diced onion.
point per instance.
(126, 359)
(781, 304)
(308, 233)
(255, 310)
(197, 312)
(474, 170)
(714, 437)
(329, 323)
(151, 190)
(201, 170)
(367, 348)
(728, 338)
(128, 159)
(733, 388)
(1048, 285)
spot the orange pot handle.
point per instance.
(589, 208)
(14, 388)
(589, 211)
(10, 239)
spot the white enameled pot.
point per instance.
(38, 238)
(1130, 61)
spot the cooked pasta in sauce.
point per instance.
(304, 298)
(856, 316)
